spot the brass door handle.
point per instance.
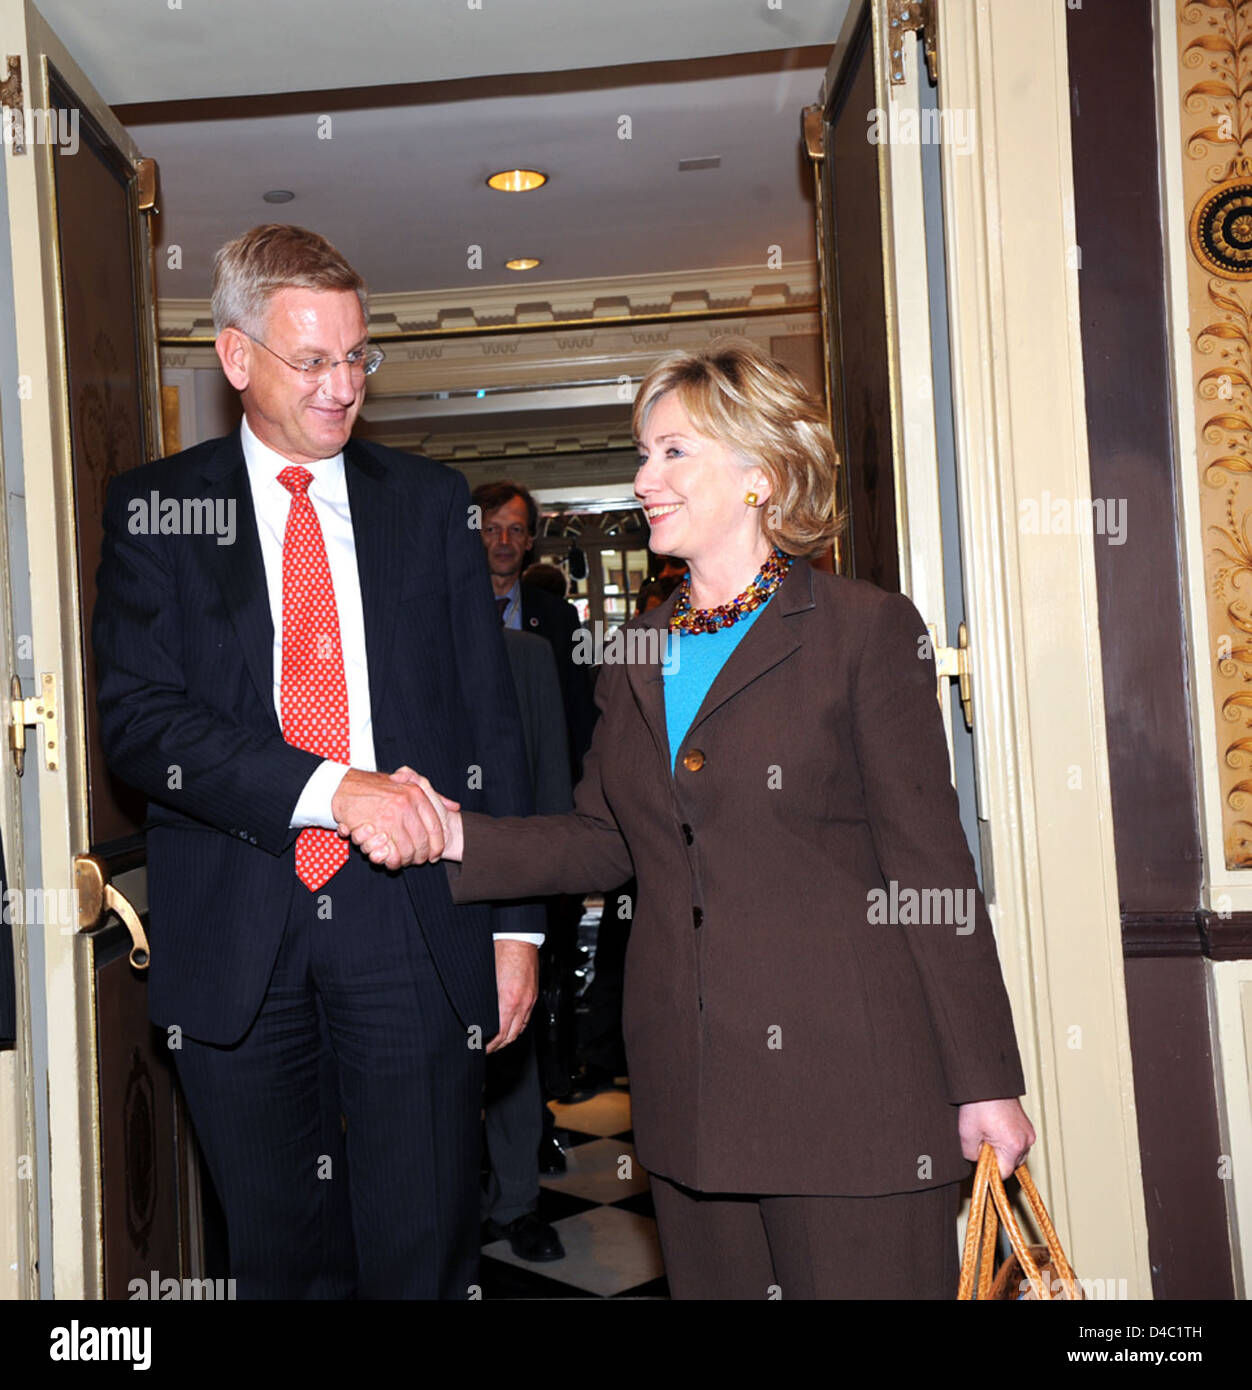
(96, 896)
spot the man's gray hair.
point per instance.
(273, 257)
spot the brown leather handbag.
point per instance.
(1031, 1272)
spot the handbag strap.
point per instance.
(980, 1236)
(980, 1233)
(1038, 1285)
(1060, 1264)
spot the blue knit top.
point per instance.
(687, 680)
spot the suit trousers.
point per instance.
(341, 1131)
(513, 1121)
(733, 1246)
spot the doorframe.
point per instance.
(1019, 415)
(66, 983)
(1032, 611)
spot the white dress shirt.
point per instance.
(328, 492)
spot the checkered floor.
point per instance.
(601, 1208)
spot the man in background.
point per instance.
(513, 1104)
(510, 522)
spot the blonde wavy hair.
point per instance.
(751, 404)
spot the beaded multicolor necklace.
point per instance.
(684, 618)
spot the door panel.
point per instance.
(857, 316)
(115, 1167)
(884, 286)
(882, 269)
(102, 243)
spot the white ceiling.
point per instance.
(401, 188)
(425, 98)
(166, 50)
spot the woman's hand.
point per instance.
(449, 812)
(1002, 1124)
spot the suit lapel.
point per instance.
(644, 678)
(239, 569)
(378, 526)
(770, 640)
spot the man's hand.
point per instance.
(448, 811)
(1002, 1124)
(394, 823)
(517, 984)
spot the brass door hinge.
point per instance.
(38, 709)
(96, 896)
(955, 661)
(11, 101)
(912, 17)
(147, 183)
(812, 124)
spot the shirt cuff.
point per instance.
(532, 938)
(313, 807)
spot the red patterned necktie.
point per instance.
(314, 691)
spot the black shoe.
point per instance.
(590, 1081)
(551, 1155)
(528, 1238)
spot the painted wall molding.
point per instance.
(535, 304)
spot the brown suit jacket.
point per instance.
(781, 1037)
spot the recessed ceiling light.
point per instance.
(517, 180)
(523, 263)
(278, 195)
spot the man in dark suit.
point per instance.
(509, 517)
(510, 522)
(287, 619)
(512, 1102)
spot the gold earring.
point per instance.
(750, 499)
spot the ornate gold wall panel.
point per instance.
(1215, 82)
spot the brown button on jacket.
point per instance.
(796, 1019)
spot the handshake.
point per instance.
(398, 818)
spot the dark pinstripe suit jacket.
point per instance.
(184, 653)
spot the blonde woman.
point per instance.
(814, 1059)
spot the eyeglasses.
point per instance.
(362, 362)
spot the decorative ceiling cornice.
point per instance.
(467, 446)
(536, 305)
